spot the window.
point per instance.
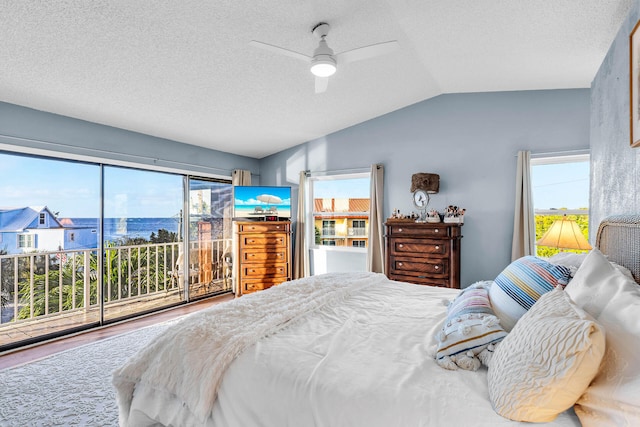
(136, 221)
(358, 243)
(560, 186)
(328, 228)
(340, 209)
(26, 241)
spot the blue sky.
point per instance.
(560, 185)
(73, 188)
(344, 188)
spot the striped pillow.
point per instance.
(520, 285)
(470, 325)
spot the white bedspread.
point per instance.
(180, 371)
(363, 359)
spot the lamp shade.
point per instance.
(564, 234)
(429, 182)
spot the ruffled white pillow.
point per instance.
(613, 399)
(547, 361)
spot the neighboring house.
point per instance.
(342, 221)
(29, 229)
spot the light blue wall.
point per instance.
(615, 166)
(470, 140)
(24, 127)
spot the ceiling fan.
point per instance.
(324, 62)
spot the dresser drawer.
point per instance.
(275, 270)
(421, 280)
(416, 247)
(399, 230)
(263, 227)
(260, 256)
(255, 285)
(263, 241)
(438, 268)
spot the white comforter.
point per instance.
(360, 355)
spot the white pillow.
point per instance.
(613, 399)
(547, 361)
(575, 260)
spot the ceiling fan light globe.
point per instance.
(324, 66)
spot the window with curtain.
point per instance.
(338, 220)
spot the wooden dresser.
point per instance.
(424, 253)
(263, 255)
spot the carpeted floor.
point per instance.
(71, 388)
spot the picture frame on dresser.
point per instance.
(634, 85)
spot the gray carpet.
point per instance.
(71, 388)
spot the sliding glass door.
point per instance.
(49, 214)
(142, 241)
(82, 244)
(210, 203)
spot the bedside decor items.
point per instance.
(433, 216)
(422, 185)
(634, 74)
(454, 214)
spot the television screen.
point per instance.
(257, 202)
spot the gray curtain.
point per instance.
(375, 254)
(301, 253)
(241, 177)
(524, 232)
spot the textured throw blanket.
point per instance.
(187, 362)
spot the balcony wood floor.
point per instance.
(37, 351)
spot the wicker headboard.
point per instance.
(619, 238)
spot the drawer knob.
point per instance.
(401, 245)
(437, 267)
(400, 264)
(437, 247)
(399, 230)
(436, 230)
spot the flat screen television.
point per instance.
(260, 202)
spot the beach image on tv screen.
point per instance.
(259, 201)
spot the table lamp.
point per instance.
(564, 234)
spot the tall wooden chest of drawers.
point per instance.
(424, 253)
(263, 255)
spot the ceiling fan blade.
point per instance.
(280, 50)
(321, 84)
(367, 52)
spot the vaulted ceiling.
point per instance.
(185, 70)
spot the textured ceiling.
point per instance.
(184, 70)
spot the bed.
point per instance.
(360, 350)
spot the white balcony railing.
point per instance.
(357, 232)
(56, 283)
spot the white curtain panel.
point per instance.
(524, 232)
(375, 254)
(301, 254)
(241, 177)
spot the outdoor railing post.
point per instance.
(87, 280)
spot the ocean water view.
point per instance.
(118, 228)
